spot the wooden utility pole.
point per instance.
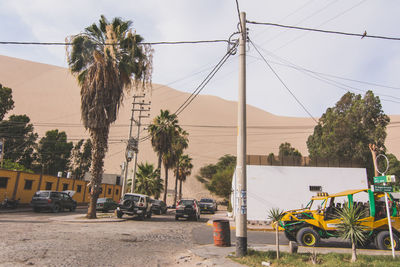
(241, 186)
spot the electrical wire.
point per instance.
(364, 35)
(283, 83)
(142, 43)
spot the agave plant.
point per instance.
(350, 227)
(275, 214)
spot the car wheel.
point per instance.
(176, 218)
(308, 237)
(36, 209)
(383, 241)
(119, 214)
(73, 208)
(149, 215)
(56, 208)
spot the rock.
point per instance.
(265, 263)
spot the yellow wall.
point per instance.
(19, 179)
(12, 177)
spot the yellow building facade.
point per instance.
(22, 186)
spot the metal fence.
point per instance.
(301, 161)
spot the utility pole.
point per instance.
(138, 123)
(130, 147)
(241, 186)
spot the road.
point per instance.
(44, 239)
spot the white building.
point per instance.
(289, 188)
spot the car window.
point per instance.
(42, 194)
(132, 197)
(206, 200)
(186, 202)
(54, 195)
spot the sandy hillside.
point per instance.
(49, 95)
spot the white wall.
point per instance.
(288, 187)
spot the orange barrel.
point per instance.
(222, 233)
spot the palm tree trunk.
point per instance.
(165, 185)
(353, 252)
(277, 241)
(180, 189)
(176, 183)
(157, 196)
(99, 138)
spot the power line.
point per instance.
(283, 83)
(364, 35)
(142, 43)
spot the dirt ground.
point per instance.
(37, 239)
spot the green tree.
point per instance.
(81, 158)
(183, 170)
(163, 130)
(20, 140)
(275, 214)
(147, 181)
(286, 150)
(217, 178)
(350, 227)
(345, 131)
(107, 59)
(10, 165)
(54, 152)
(6, 101)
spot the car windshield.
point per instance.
(132, 197)
(186, 202)
(41, 194)
(101, 200)
(206, 200)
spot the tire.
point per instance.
(149, 215)
(128, 204)
(289, 236)
(176, 218)
(119, 214)
(383, 241)
(36, 209)
(308, 237)
(56, 208)
(73, 208)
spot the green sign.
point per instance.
(383, 188)
(384, 179)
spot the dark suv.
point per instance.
(135, 204)
(208, 205)
(187, 208)
(53, 201)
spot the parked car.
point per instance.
(53, 201)
(208, 205)
(135, 204)
(106, 204)
(158, 207)
(187, 208)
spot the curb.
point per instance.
(79, 219)
(210, 223)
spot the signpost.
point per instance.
(383, 187)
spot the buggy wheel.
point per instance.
(383, 241)
(308, 237)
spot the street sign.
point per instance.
(383, 188)
(384, 179)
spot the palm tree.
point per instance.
(275, 214)
(147, 181)
(184, 169)
(350, 226)
(107, 58)
(162, 131)
(180, 143)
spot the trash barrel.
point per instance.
(222, 233)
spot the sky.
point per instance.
(314, 69)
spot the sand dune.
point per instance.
(50, 96)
